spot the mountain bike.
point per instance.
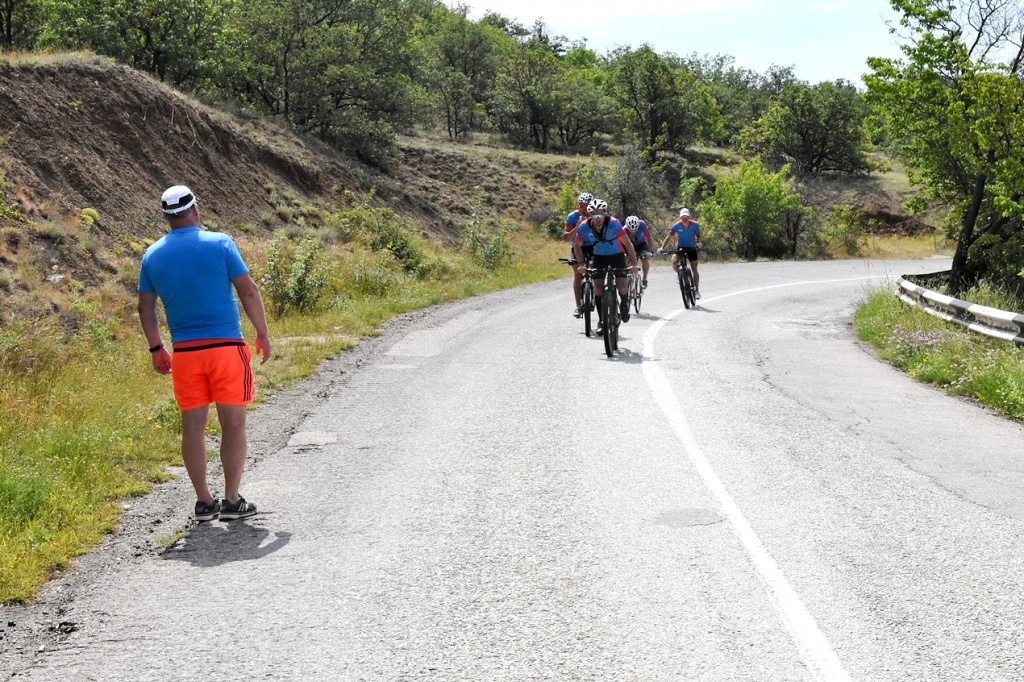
(635, 285)
(610, 307)
(685, 276)
(634, 289)
(586, 295)
(686, 285)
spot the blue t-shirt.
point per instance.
(607, 242)
(191, 271)
(572, 220)
(687, 234)
(641, 234)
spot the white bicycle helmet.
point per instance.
(598, 206)
(632, 222)
(584, 198)
(684, 213)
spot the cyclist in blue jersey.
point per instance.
(572, 222)
(688, 233)
(641, 236)
(612, 249)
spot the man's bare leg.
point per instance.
(193, 449)
(232, 447)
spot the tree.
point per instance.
(584, 110)
(181, 42)
(663, 102)
(633, 188)
(742, 95)
(953, 107)
(750, 213)
(816, 129)
(339, 69)
(508, 26)
(454, 94)
(526, 95)
(20, 23)
(463, 64)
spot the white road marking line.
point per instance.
(810, 640)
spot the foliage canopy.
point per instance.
(953, 108)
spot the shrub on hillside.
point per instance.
(746, 212)
(381, 229)
(295, 276)
(488, 246)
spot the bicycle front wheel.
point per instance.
(690, 288)
(615, 327)
(609, 319)
(588, 307)
(682, 286)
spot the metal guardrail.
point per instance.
(993, 322)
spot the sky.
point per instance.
(823, 40)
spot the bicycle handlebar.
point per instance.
(618, 271)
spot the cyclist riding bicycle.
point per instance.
(572, 223)
(612, 249)
(688, 233)
(641, 235)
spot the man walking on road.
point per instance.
(195, 274)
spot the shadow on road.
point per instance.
(627, 356)
(700, 309)
(215, 544)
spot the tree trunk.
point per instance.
(962, 274)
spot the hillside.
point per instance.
(81, 132)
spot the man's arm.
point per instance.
(630, 253)
(151, 328)
(570, 232)
(577, 251)
(252, 302)
(664, 242)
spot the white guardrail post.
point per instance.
(982, 319)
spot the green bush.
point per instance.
(554, 226)
(844, 230)
(381, 229)
(397, 240)
(90, 217)
(488, 246)
(746, 212)
(295, 276)
(373, 279)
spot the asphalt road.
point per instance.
(743, 493)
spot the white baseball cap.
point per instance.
(684, 213)
(177, 199)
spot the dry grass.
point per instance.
(907, 248)
(54, 58)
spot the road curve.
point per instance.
(743, 493)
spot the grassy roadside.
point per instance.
(85, 422)
(959, 361)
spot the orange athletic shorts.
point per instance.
(212, 371)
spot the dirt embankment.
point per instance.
(108, 138)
